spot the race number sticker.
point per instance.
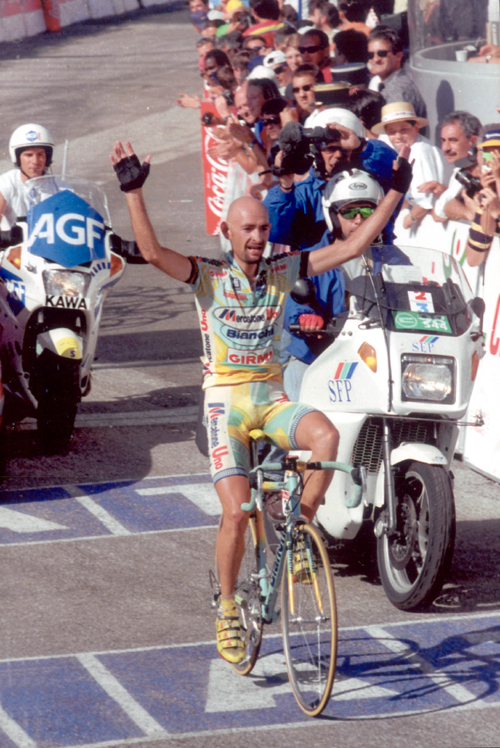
(421, 301)
(415, 321)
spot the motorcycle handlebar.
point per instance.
(328, 329)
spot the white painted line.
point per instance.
(13, 731)
(145, 363)
(26, 523)
(440, 678)
(203, 495)
(123, 698)
(81, 538)
(104, 517)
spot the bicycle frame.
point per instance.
(270, 583)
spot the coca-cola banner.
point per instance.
(214, 175)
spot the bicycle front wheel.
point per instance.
(309, 621)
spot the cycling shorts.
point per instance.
(232, 411)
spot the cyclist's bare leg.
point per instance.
(317, 433)
(233, 492)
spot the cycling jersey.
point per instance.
(241, 326)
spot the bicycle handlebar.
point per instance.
(356, 474)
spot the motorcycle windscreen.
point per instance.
(66, 229)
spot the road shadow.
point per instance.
(100, 454)
(472, 585)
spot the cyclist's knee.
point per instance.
(234, 519)
(326, 439)
(319, 435)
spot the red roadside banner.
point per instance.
(214, 174)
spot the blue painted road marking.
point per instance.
(103, 509)
(186, 690)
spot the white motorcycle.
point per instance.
(58, 266)
(395, 381)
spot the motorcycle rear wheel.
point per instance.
(414, 561)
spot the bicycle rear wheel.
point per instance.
(309, 621)
(247, 597)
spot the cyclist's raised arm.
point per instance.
(327, 258)
(132, 176)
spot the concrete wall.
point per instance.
(21, 18)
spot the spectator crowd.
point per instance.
(303, 97)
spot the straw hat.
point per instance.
(397, 112)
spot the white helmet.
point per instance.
(351, 186)
(30, 136)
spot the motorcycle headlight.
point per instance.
(430, 378)
(65, 283)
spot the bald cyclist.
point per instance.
(240, 302)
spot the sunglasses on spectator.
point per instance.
(272, 120)
(280, 69)
(381, 53)
(351, 213)
(306, 88)
(311, 50)
(256, 49)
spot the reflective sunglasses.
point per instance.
(381, 53)
(350, 213)
(271, 120)
(256, 49)
(311, 50)
(306, 88)
(280, 69)
(487, 155)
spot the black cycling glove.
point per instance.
(401, 177)
(130, 173)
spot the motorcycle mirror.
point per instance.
(478, 306)
(304, 292)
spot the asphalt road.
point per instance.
(107, 630)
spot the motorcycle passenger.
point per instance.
(31, 148)
(295, 210)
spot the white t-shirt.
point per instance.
(429, 164)
(453, 191)
(15, 192)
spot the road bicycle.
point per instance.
(301, 567)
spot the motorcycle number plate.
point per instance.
(417, 321)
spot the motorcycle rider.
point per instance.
(31, 149)
(349, 199)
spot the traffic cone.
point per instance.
(51, 15)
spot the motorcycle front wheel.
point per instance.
(58, 397)
(414, 560)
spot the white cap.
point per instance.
(260, 71)
(274, 58)
(336, 115)
(216, 15)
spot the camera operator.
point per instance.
(460, 132)
(486, 220)
(295, 210)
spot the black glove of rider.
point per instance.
(401, 177)
(130, 173)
